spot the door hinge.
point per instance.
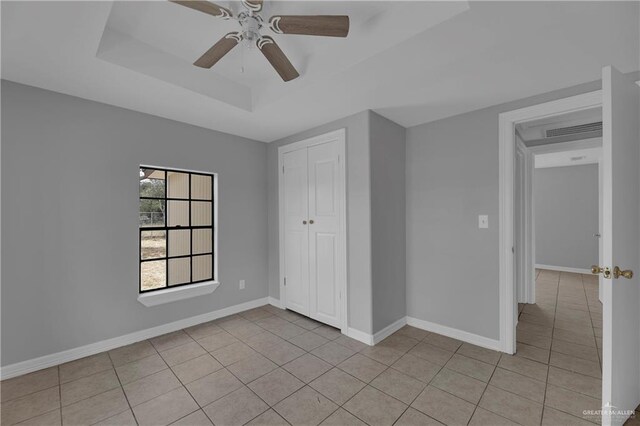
(282, 169)
(285, 281)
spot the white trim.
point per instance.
(51, 360)
(316, 140)
(275, 302)
(389, 330)
(563, 269)
(525, 248)
(168, 295)
(216, 213)
(360, 336)
(454, 333)
(506, 135)
(566, 146)
(530, 231)
(339, 136)
(374, 339)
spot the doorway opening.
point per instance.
(558, 210)
(521, 264)
(558, 197)
(550, 210)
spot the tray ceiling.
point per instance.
(413, 62)
(162, 40)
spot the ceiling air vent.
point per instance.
(573, 130)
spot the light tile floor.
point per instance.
(267, 366)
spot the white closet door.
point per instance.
(296, 232)
(324, 211)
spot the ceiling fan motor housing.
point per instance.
(251, 24)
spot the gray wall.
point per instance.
(388, 243)
(70, 219)
(566, 216)
(358, 215)
(452, 177)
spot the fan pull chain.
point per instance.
(242, 59)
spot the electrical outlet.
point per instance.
(241, 284)
(483, 221)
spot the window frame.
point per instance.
(190, 227)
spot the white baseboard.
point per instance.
(464, 336)
(564, 269)
(454, 333)
(374, 339)
(46, 361)
(360, 336)
(389, 330)
(275, 302)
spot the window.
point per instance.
(176, 228)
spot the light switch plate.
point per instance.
(483, 221)
(241, 284)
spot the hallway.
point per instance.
(564, 331)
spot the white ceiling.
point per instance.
(440, 59)
(162, 40)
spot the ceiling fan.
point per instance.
(251, 23)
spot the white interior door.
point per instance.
(324, 228)
(621, 235)
(296, 232)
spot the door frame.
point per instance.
(525, 249)
(506, 199)
(338, 136)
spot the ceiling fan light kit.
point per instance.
(251, 24)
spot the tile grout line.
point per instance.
(593, 327)
(546, 385)
(495, 367)
(122, 388)
(201, 408)
(59, 390)
(257, 378)
(271, 407)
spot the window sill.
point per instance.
(179, 293)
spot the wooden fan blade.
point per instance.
(218, 50)
(253, 5)
(206, 7)
(277, 58)
(318, 25)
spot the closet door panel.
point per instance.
(296, 232)
(324, 208)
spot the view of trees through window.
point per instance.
(176, 228)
